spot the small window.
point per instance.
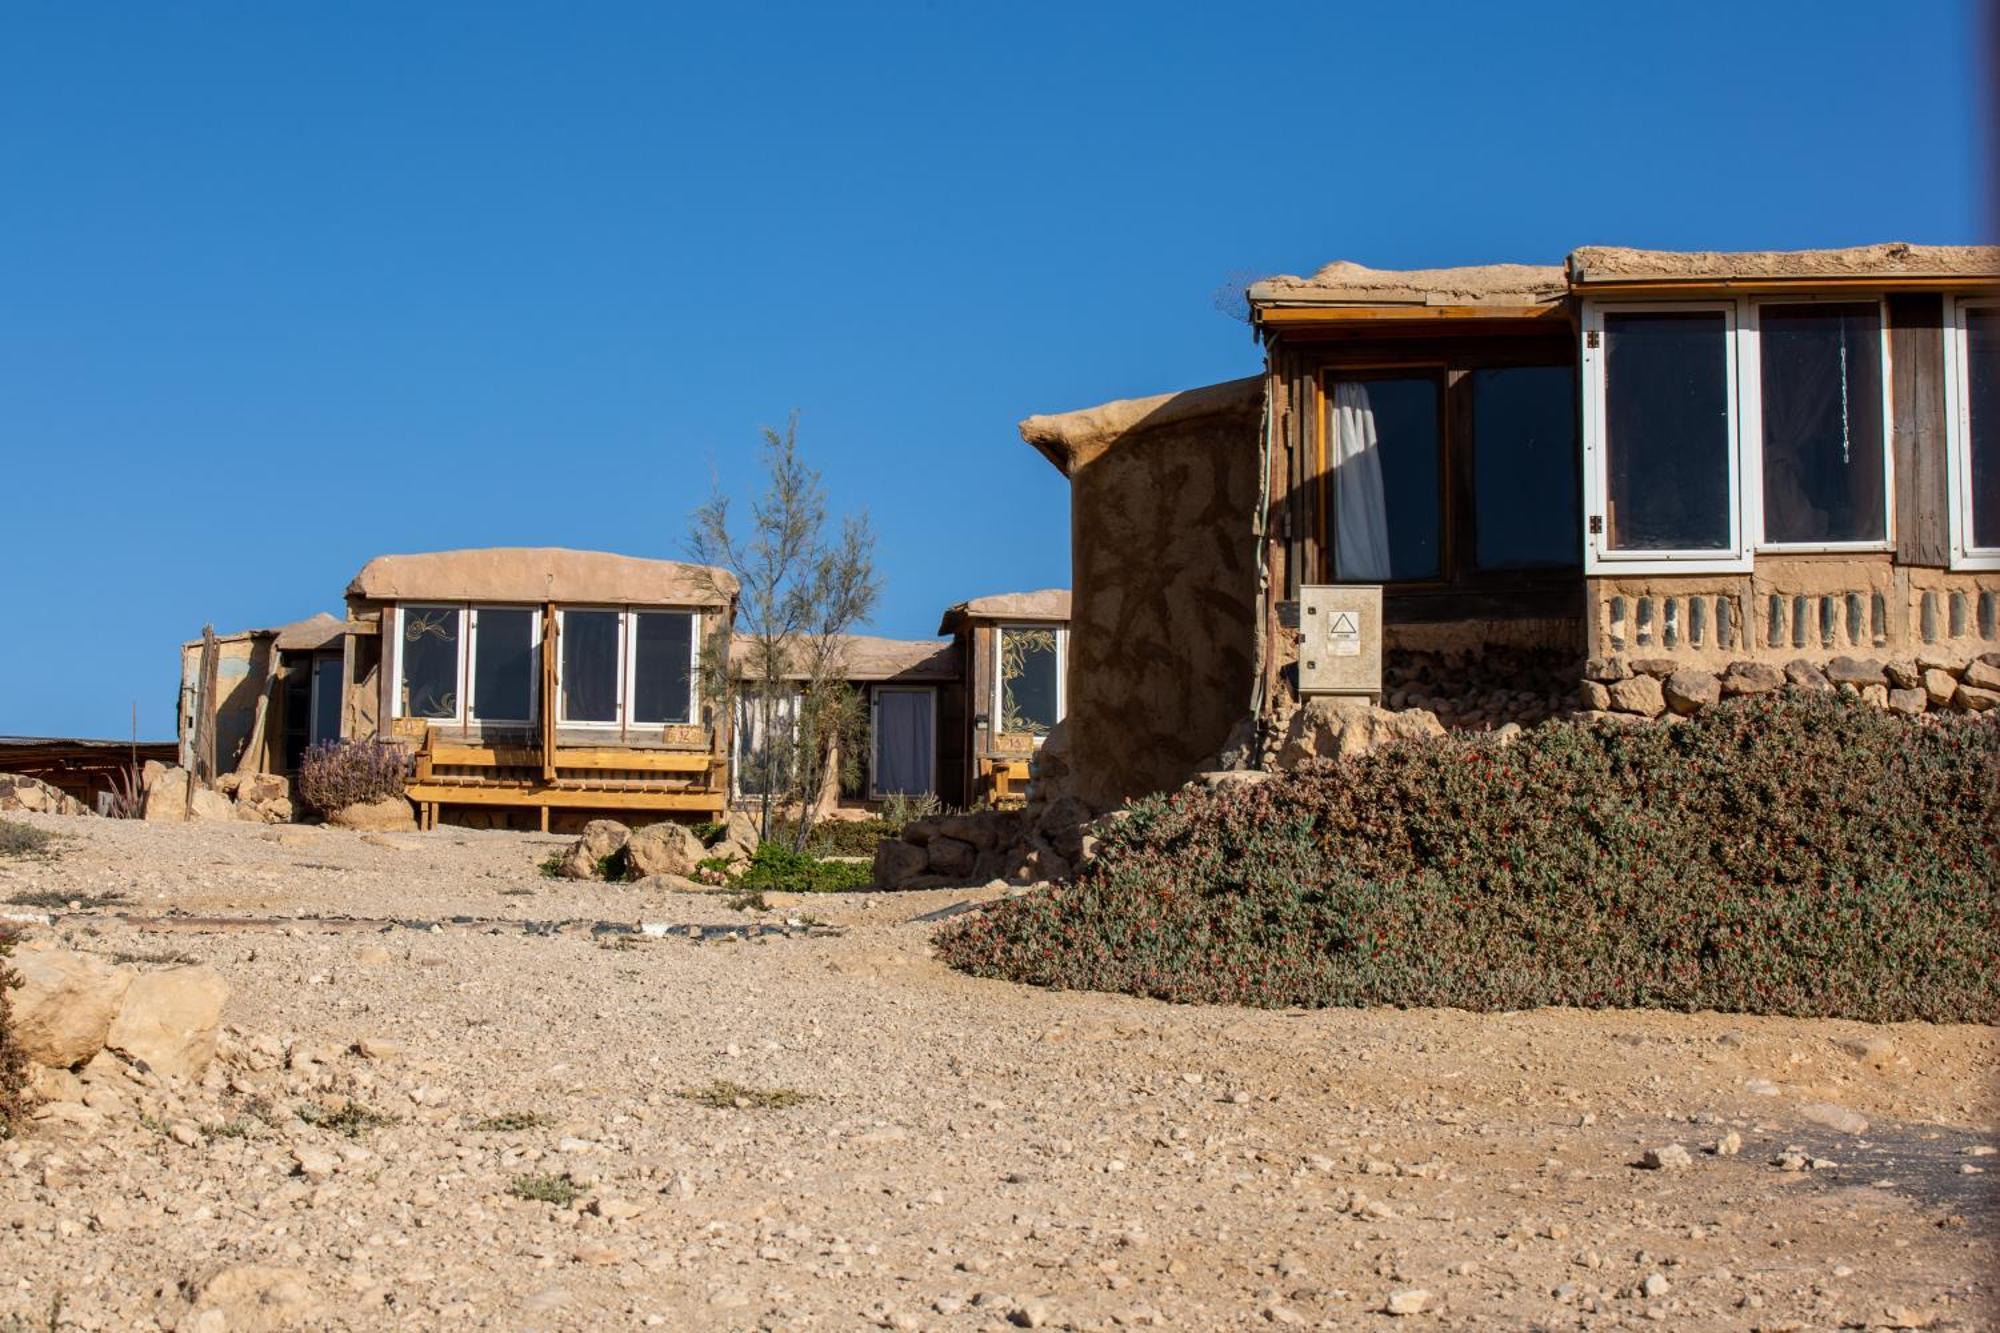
(590, 642)
(1029, 679)
(430, 658)
(1383, 447)
(504, 664)
(1974, 425)
(1524, 467)
(662, 667)
(764, 753)
(326, 700)
(1824, 454)
(1668, 441)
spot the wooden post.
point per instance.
(549, 692)
(204, 714)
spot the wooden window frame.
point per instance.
(1751, 415)
(396, 702)
(1598, 556)
(1438, 372)
(1958, 435)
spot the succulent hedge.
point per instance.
(1790, 854)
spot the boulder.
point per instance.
(1804, 675)
(1855, 671)
(255, 1298)
(1606, 669)
(1904, 674)
(1688, 691)
(65, 1005)
(170, 1019)
(1339, 729)
(1875, 696)
(949, 856)
(1973, 699)
(984, 829)
(166, 794)
(259, 788)
(601, 839)
(1657, 667)
(1062, 824)
(898, 862)
(665, 848)
(391, 814)
(1908, 702)
(34, 796)
(670, 884)
(1940, 685)
(740, 838)
(206, 804)
(1981, 674)
(1593, 697)
(1639, 695)
(1751, 678)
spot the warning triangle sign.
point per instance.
(1343, 623)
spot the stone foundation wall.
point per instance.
(1650, 687)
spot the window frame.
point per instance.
(398, 708)
(875, 693)
(471, 668)
(1751, 415)
(998, 696)
(1598, 556)
(619, 681)
(1962, 553)
(629, 629)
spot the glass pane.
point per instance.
(326, 699)
(503, 664)
(903, 743)
(1982, 401)
(430, 661)
(663, 684)
(589, 641)
(1524, 467)
(1028, 676)
(1822, 389)
(1385, 479)
(1666, 419)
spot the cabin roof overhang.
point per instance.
(541, 574)
(1047, 604)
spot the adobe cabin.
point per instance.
(276, 691)
(544, 686)
(1014, 648)
(914, 693)
(1637, 460)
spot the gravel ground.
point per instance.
(964, 1154)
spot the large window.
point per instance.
(767, 732)
(1668, 439)
(1383, 467)
(1524, 467)
(1028, 679)
(1824, 474)
(626, 667)
(1972, 351)
(504, 663)
(429, 651)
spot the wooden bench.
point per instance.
(679, 781)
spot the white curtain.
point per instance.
(903, 742)
(1360, 513)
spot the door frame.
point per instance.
(875, 694)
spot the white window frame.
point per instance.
(741, 724)
(1958, 436)
(396, 708)
(620, 685)
(630, 629)
(998, 713)
(875, 694)
(471, 623)
(1598, 557)
(1752, 417)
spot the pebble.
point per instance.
(1672, 1157)
(1729, 1144)
(1409, 1300)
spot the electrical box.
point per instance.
(1340, 639)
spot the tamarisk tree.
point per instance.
(805, 587)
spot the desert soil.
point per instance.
(966, 1154)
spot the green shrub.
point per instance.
(780, 869)
(562, 1190)
(337, 774)
(13, 1063)
(1792, 854)
(837, 837)
(18, 839)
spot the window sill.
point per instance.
(1975, 562)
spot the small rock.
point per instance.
(1729, 1144)
(1834, 1117)
(1672, 1157)
(1409, 1300)
(1031, 1313)
(1655, 1286)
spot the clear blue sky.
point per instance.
(286, 285)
